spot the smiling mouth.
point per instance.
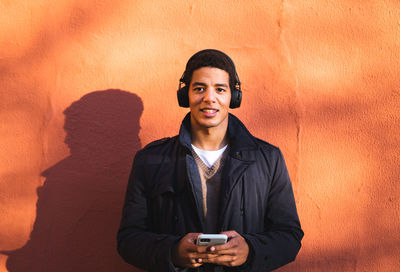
(209, 110)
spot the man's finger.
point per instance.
(221, 260)
(205, 255)
(231, 252)
(230, 244)
(202, 249)
(230, 233)
(193, 265)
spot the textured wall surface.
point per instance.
(84, 84)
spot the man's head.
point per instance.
(214, 59)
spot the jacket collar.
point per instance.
(239, 137)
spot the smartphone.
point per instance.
(211, 239)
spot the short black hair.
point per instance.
(210, 58)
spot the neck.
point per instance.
(209, 138)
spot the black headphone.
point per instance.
(236, 92)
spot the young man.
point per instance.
(214, 177)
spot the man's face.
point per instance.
(209, 98)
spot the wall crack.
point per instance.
(296, 106)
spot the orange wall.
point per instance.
(84, 84)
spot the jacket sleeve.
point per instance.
(280, 241)
(136, 242)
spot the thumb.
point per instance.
(230, 233)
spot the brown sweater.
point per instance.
(210, 184)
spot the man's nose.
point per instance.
(209, 95)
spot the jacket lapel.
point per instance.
(234, 169)
(195, 186)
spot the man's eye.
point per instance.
(220, 90)
(199, 89)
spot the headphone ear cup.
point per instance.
(236, 98)
(183, 97)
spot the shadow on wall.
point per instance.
(80, 203)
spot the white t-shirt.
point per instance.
(209, 157)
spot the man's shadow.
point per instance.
(79, 206)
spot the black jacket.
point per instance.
(163, 201)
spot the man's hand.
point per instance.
(233, 253)
(188, 254)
